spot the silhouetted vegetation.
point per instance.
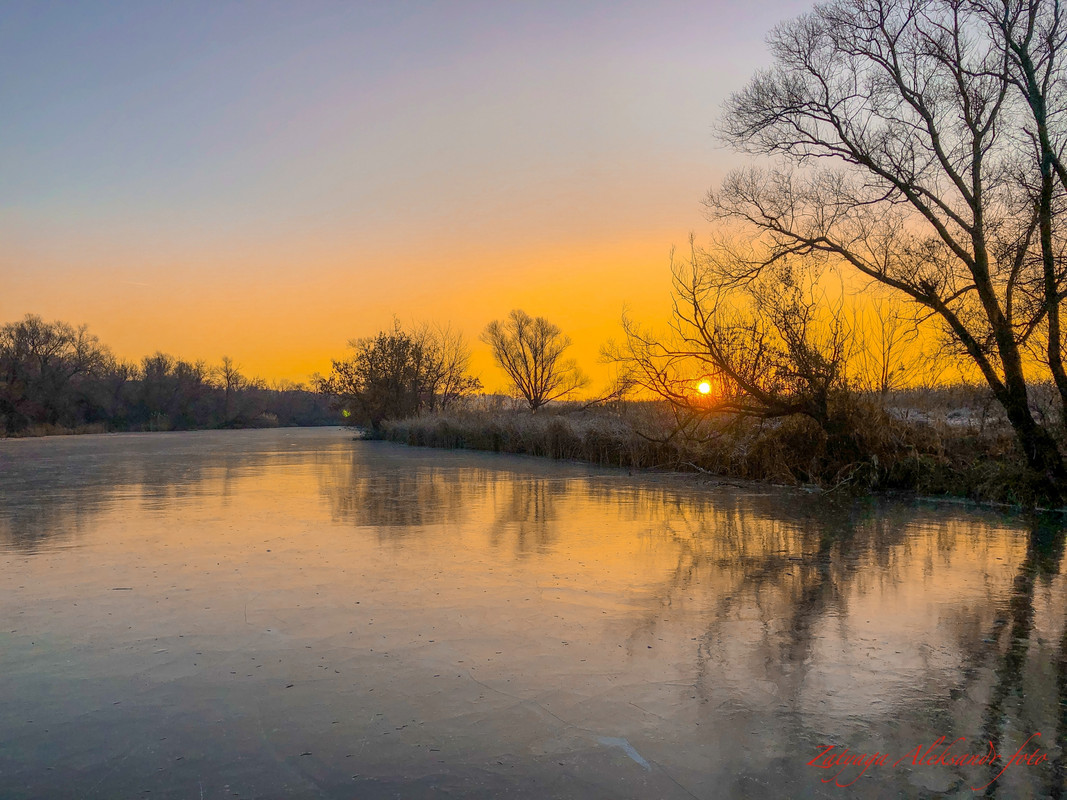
(919, 145)
(398, 374)
(770, 348)
(952, 441)
(55, 378)
(530, 351)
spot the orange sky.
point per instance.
(280, 322)
(267, 182)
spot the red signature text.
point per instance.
(844, 767)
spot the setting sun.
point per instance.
(704, 388)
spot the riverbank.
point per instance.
(874, 449)
(261, 422)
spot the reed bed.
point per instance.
(870, 446)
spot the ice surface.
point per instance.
(291, 613)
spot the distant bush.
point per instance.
(399, 373)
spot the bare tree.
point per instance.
(885, 331)
(445, 376)
(896, 131)
(399, 373)
(531, 351)
(1031, 36)
(770, 347)
(231, 381)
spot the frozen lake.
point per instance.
(291, 613)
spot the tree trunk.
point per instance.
(1051, 285)
(1042, 453)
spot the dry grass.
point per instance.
(936, 444)
(597, 437)
(44, 429)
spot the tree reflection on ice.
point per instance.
(489, 623)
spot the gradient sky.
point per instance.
(268, 180)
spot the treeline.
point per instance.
(55, 377)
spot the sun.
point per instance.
(704, 388)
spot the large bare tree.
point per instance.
(1032, 35)
(905, 139)
(530, 350)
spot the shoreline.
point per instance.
(662, 473)
(710, 480)
(91, 430)
(923, 464)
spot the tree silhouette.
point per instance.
(918, 144)
(398, 373)
(531, 351)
